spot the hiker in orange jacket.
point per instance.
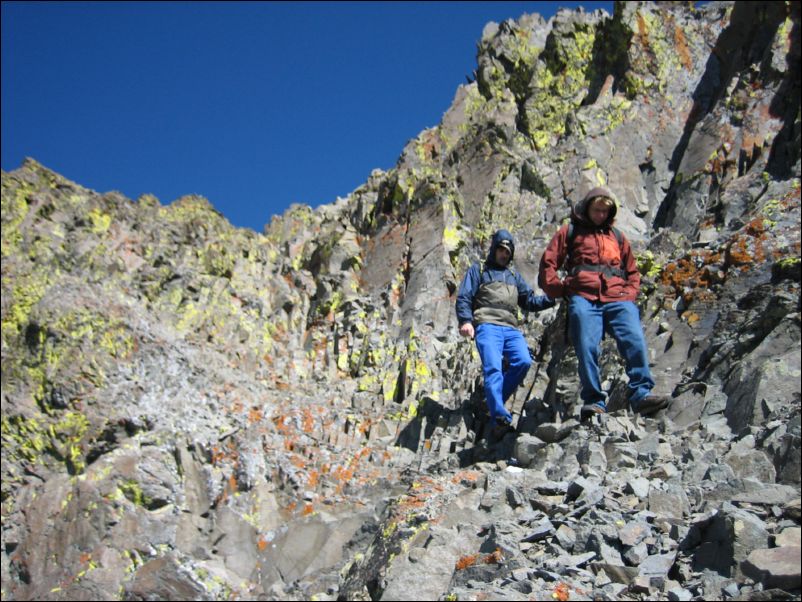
(601, 284)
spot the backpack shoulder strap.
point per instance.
(618, 236)
(569, 243)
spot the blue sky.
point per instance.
(252, 105)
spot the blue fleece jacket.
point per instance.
(492, 272)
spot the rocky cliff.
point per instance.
(195, 411)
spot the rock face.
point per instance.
(192, 411)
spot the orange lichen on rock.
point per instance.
(694, 273)
(561, 592)
(747, 249)
(307, 421)
(465, 477)
(495, 557)
(255, 415)
(466, 561)
(682, 48)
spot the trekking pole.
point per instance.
(528, 393)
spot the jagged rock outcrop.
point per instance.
(194, 411)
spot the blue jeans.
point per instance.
(588, 320)
(495, 342)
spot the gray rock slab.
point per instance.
(636, 554)
(728, 539)
(552, 487)
(607, 553)
(657, 565)
(575, 560)
(578, 487)
(752, 463)
(163, 578)
(672, 501)
(633, 533)
(514, 497)
(791, 536)
(679, 594)
(762, 493)
(619, 574)
(552, 432)
(526, 448)
(541, 531)
(775, 567)
(638, 486)
(566, 537)
(793, 509)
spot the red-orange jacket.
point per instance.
(592, 245)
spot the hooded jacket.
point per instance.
(593, 246)
(493, 294)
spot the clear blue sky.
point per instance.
(252, 105)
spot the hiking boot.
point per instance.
(651, 404)
(591, 409)
(502, 427)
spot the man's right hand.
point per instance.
(466, 330)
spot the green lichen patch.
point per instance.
(15, 205)
(660, 52)
(648, 265)
(558, 84)
(27, 290)
(133, 492)
(41, 440)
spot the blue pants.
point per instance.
(588, 320)
(495, 342)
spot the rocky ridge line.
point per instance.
(195, 411)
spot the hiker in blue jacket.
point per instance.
(487, 311)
